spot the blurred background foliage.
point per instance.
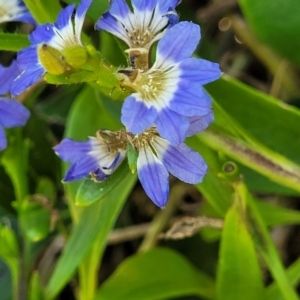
(234, 236)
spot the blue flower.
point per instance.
(170, 93)
(14, 10)
(12, 113)
(96, 157)
(142, 27)
(157, 158)
(54, 38)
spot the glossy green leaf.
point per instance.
(275, 23)
(157, 274)
(96, 221)
(269, 121)
(13, 42)
(234, 280)
(43, 10)
(91, 191)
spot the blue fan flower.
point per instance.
(170, 94)
(14, 10)
(94, 157)
(142, 27)
(12, 113)
(99, 157)
(53, 39)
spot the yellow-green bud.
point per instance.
(75, 55)
(52, 60)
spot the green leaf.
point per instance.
(239, 275)
(96, 222)
(35, 220)
(259, 117)
(157, 274)
(275, 23)
(43, 10)
(91, 191)
(293, 272)
(216, 191)
(274, 215)
(260, 159)
(13, 42)
(265, 244)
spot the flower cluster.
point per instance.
(167, 105)
(167, 102)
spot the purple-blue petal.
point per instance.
(26, 79)
(136, 116)
(3, 140)
(172, 126)
(69, 150)
(179, 42)
(190, 99)
(83, 7)
(143, 5)
(181, 161)
(110, 24)
(64, 16)
(199, 70)
(7, 75)
(119, 9)
(81, 168)
(167, 5)
(12, 113)
(42, 34)
(198, 124)
(153, 176)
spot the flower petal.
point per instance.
(153, 176)
(172, 126)
(3, 140)
(136, 116)
(199, 123)
(12, 113)
(25, 80)
(69, 150)
(200, 70)
(110, 24)
(81, 168)
(178, 43)
(181, 161)
(190, 100)
(80, 16)
(7, 75)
